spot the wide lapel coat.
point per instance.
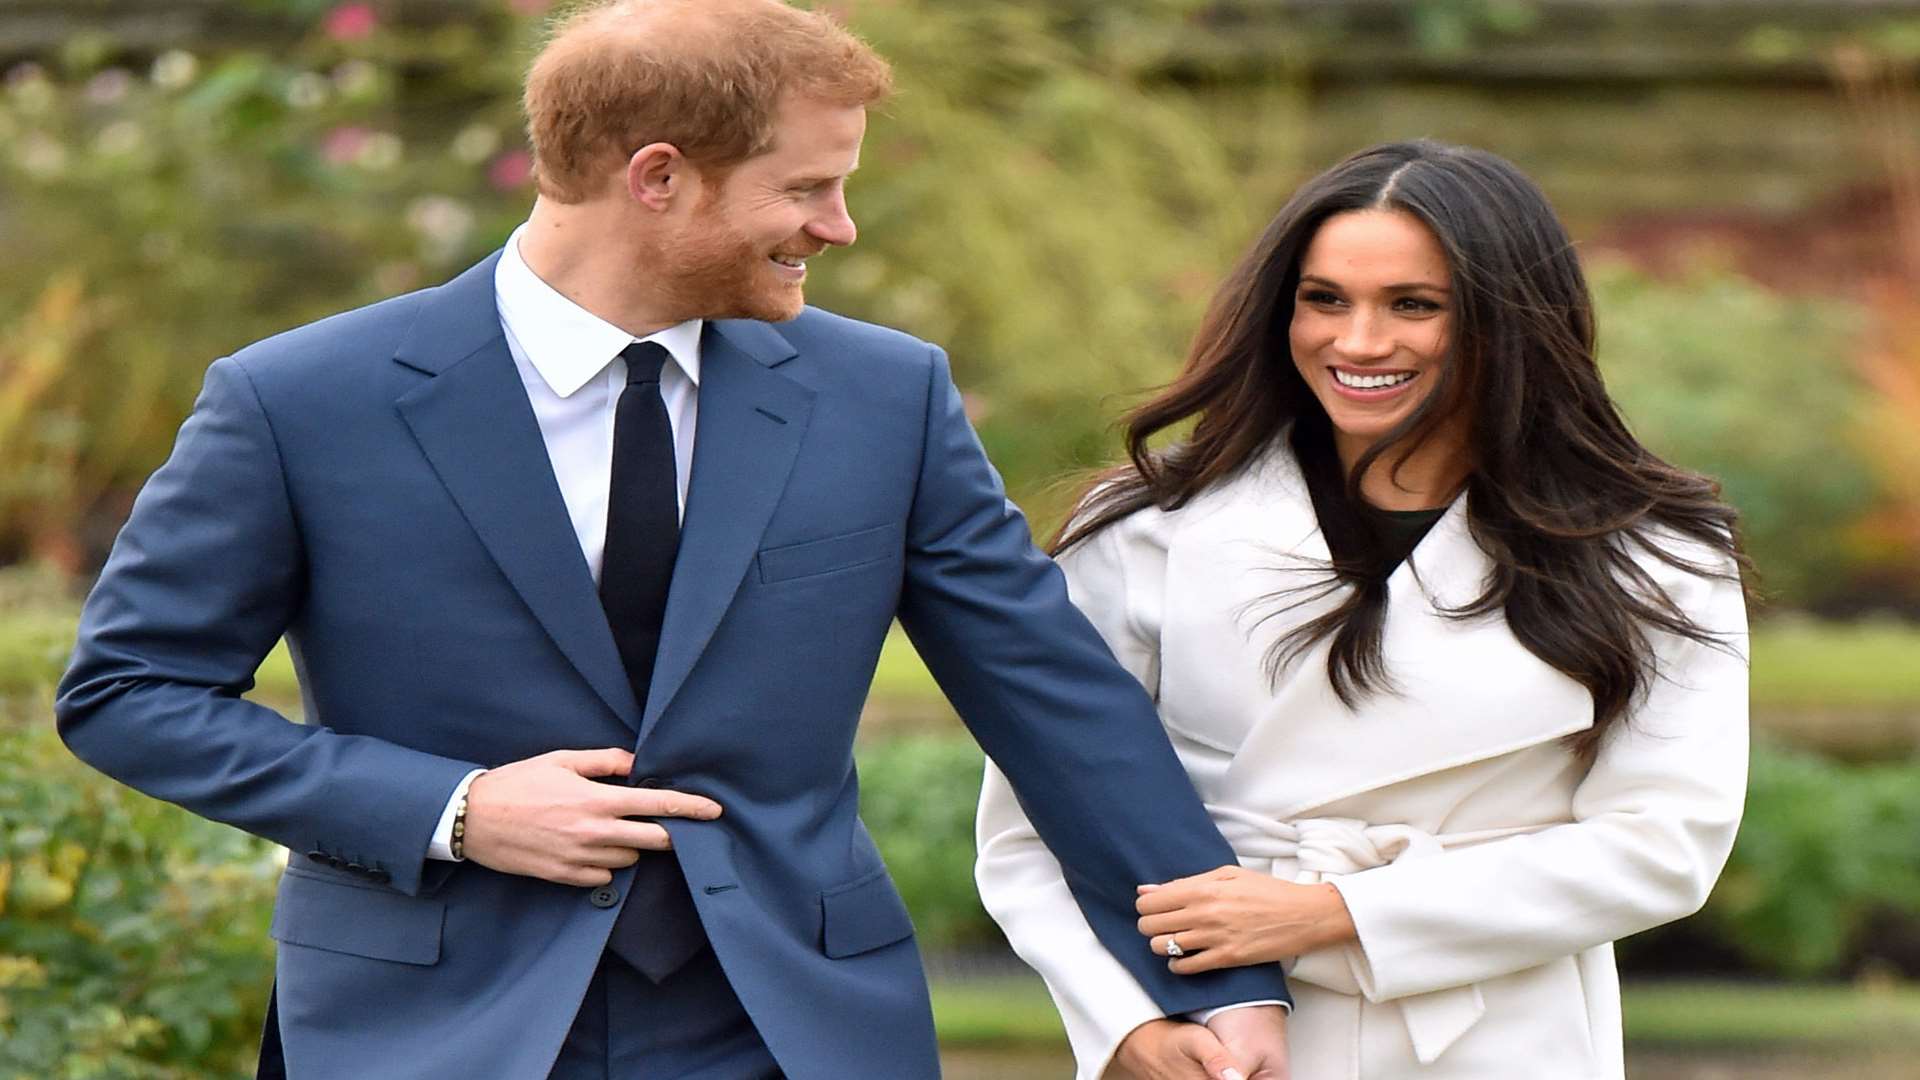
(475, 425)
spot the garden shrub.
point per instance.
(133, 935)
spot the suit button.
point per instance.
(356, 868)
(336, 862)
(651, 782)
(604, 897)
(379, 876)
(317, 856)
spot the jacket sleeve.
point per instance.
(1075, 735)
(1021, 882)
(1653, 823)
(203, 580)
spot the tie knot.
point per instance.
(644, 361)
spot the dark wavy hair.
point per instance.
(1560, 494)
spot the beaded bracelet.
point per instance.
(459, 844)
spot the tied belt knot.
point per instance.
(1322, 848)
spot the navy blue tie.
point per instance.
(657, 930)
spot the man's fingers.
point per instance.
(636, 836)
(658, 802)
(1198, 1044)
(584, 876)
(612, 761)
(610, 858)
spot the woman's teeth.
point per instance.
(789, 260)
(1371, 382)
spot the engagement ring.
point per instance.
(1174, 949)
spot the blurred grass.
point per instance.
(1015, 1009)
(1750, 1016)
(1805, 664)
(1002, 1010)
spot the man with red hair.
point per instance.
(586, 565)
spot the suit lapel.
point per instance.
(751, 422)
(477, 429)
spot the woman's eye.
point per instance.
(1417, 306)
(1319, 296)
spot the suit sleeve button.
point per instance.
(604, 897)
(317, 855)
(379, 876)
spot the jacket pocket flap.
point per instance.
(347, 918)
(825, 556)
(862, 915)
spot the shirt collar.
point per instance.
(567, 344)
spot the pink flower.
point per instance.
(351, 22)
(343, 145)
(510, 170)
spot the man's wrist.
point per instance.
(1201, 1016)
(442, 845)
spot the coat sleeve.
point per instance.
(1020, 881)
(1653, 823)
(1075, 735)
(203, 580)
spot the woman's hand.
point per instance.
(1171, 1050)
(1232, 917)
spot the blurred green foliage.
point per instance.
(1751, 387)
(1824, 846)
(1029, 200)
(917, 796)
(132, 935)
(1024, 201)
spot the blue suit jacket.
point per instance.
(374, 487)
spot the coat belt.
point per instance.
(1324, 848)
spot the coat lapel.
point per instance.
(1467, 690)
(476, 427)
(751, 422)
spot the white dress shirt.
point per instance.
(569, 361)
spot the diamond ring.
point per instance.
(1174, 950)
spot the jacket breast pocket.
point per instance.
(346, 917)
(862, 915)
(813, 558)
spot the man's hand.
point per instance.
(544, 818)
(1256, 1036)
(1174, 1050)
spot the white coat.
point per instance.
(1487, 869)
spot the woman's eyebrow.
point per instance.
(1404, 286)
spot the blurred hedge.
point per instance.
(1722, 375)
(133, 936)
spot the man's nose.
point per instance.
(834, 225)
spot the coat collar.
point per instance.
(1467, 690)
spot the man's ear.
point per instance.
(655, 175)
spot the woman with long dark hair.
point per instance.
(1457, 664)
